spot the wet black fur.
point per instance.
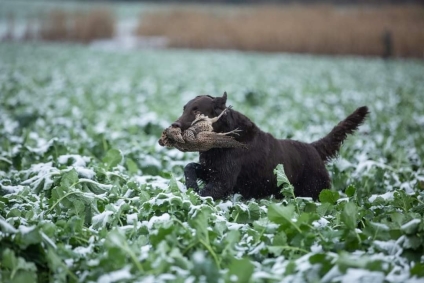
(249, 172)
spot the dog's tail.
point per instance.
(329, 146)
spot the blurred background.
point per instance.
(384, 28)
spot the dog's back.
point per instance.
(304, 163)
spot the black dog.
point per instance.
(250, 171)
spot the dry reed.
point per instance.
(319, 29)
(78, 26)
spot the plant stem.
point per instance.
(209, 248)
(62, 198)
(134, 258)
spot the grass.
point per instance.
(317, 29)
(87, 194)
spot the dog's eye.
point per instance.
(195, 109)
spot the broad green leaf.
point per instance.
(9, 259)
(324, 208)
(350, 191)
(240, 270)
(278, 243)
(201, 225)
(280, 214)
(116, 239)
(113, 158)
(349, 215)
(79, 206)
(246, 214)
(173, 185)
(418, 270)
(69, 178)
(16, 269)
(28, 236)
(96, 188)
(280, 239)
(14, 212)
(328, 196)
(57, 266)
(283, 215)
(324, 262)
(291, 267)
(131, 165)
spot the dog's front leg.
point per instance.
(192, 172)
(221, 184)
(217, 190)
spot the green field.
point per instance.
(88, 195)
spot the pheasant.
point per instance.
(199, 136)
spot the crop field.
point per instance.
(88, 195)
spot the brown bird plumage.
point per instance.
(199, 136)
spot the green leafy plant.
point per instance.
(87, 194)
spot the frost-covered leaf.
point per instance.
(69, 178)
(287, 188)
(88, 195)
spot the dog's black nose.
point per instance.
(176, 125)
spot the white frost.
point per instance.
(391, 247)
(114, 276)
(354, 275)
(144, 252)
(7, 227)
(26, 229)
(322, 222)
(83, 251)
(78, 160)
(158, 219)
(102, 218)
(198, 257)
(386, 196)
(412, 223)
(85, 172)
(154, 181)
(132, 218)
(12, 189)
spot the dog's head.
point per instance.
(204, 104)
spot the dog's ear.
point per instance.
(220, 101)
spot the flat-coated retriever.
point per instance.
(249, 172)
